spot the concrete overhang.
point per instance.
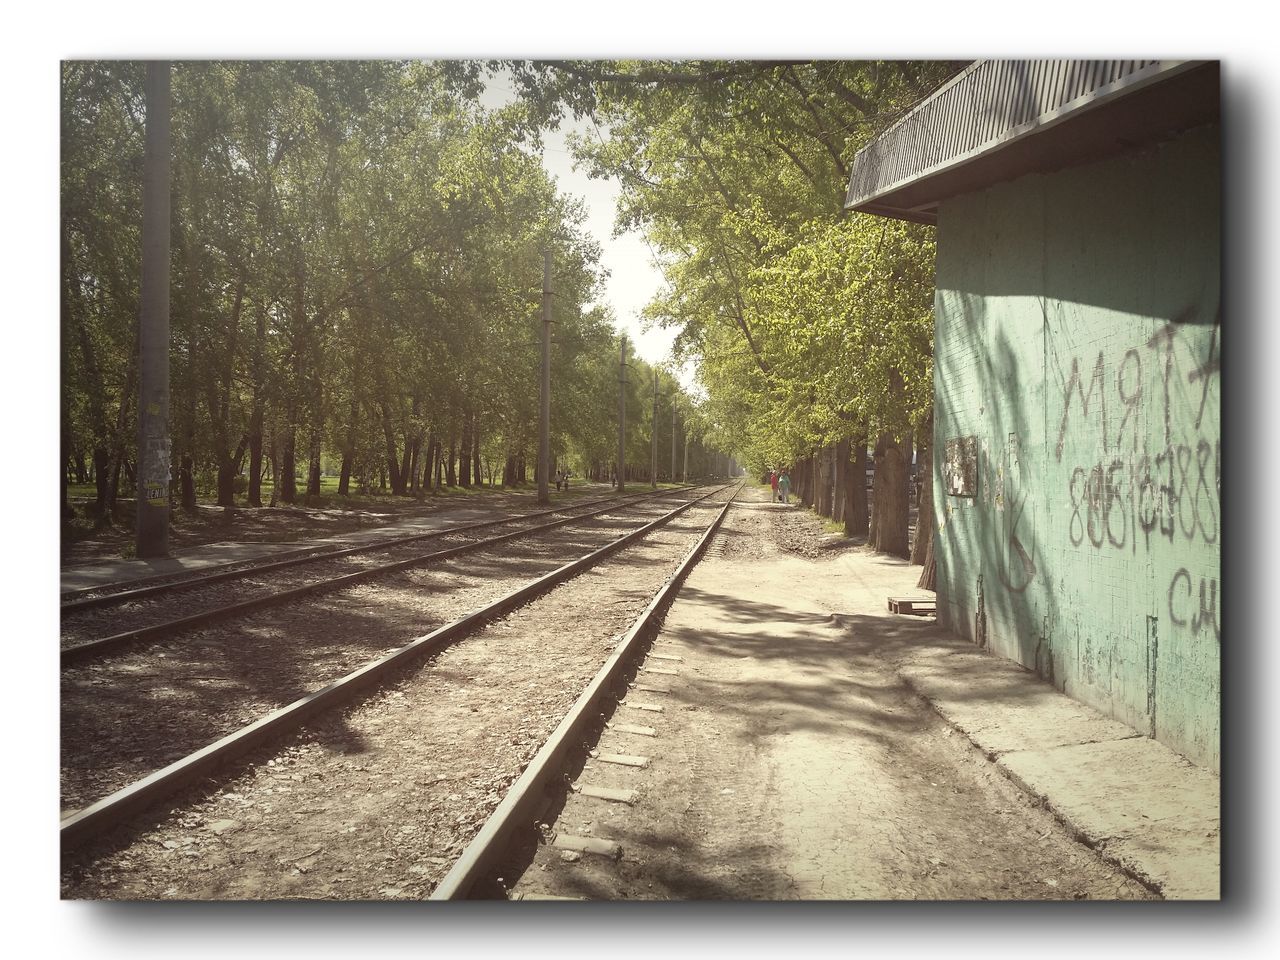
(1000, 119)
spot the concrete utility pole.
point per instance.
(622, 413)
(686, 453)
(653, 438)
(152, 531)
(544, 415)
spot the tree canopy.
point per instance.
(356, 280)
(808, 326)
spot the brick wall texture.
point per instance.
(1078, 332)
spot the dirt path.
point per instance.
(791, 761)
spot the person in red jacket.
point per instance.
(773, 482)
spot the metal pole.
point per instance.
(686, 453)
(653, 436)
(544, 417)
(152, 531)
(622, 414)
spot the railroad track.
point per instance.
(196, 767)
(326, 571)
(90, 598)
(531, 795)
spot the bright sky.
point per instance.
(633, 276)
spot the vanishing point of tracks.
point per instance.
(123, 717)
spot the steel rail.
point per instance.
(528, 795)
(114, 809)
(78, 601)
(94, 648)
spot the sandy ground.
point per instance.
(791, 761)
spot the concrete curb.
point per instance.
(1145, 810)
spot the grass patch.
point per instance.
(830, 526)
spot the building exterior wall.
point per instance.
(1077, 340)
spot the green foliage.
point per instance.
(356, 271)
(807, 328)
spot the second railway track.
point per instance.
(106, 595)
(122, 720)
(158, 611)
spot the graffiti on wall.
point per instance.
(1007, 491)
(1128, 494)
(1186, 609)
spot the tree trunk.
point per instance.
(286, 481)
(412, 444)
(313, 471)
(95, 389)
(344, 476)
(475, 446)
(926, 527)
(857, 515)
(187, 483)
(64, 392)
(120, 456)
(839, 499)
(433, 452)
(450, 474)
(392, 456)
(226, 483)
(275, 471)
(826, 472)
(835, 492)
(218, 397)
(349, 448)
(255, 455)
(102, 478)
(415, 452)
(464, 452)
(258, 410)
(889, 523)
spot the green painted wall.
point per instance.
(1078, 336)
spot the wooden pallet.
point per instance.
(914, 606)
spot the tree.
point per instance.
(809, 329)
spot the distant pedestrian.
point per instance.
(784, 485)
(773, 482)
